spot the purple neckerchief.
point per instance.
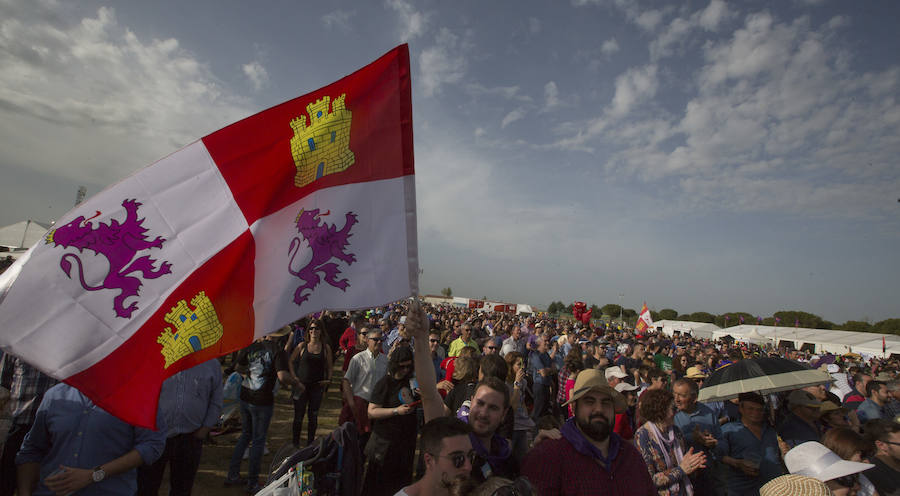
(585, 447)
(496, 460)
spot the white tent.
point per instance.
(821, 340)
(700, 330)
(23, 235)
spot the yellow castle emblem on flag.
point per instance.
(194, 329)
(322, 147)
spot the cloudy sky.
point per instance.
(711, 156)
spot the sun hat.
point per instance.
(282, 331)
(794, 485)
(592, 379)
(799, 397)
(812, 459)
(695, 373)
(830, 406)
(833, 368)
(614, 372)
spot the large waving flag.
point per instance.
(305, 206)
(645, 321)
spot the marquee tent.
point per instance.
(819, 340)
(699, 330)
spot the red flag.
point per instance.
(645, 321)
(305, 206)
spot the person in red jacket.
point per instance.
(605, 463)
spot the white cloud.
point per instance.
(713, 15)
(775, 114)
(677, 32)
(413, 22)
(534, 25)
(107, 101)
(635, 86)
(505, 92)
(339, 19)
(649, 19)
(443, 63)
(609, 47)
(513, 116)
(257, 75)
(777, 120)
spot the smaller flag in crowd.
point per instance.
(645, 321)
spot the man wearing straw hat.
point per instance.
(604, 462)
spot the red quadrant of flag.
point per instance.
(256, 156)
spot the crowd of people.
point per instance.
(448, 400)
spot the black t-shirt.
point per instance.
(460, 393)
(590, 362)
(885, 479)
(387, 394)
(264, 359)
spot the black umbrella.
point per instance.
(760, 375)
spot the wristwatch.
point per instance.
(98, 474)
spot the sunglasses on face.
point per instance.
(459, 459)
(492, 347)
(377, 340)
(434, 341)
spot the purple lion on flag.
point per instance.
(326, 243)
(119, 243)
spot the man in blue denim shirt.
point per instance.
(191, 402)
(700, 427)
(540, 365)
(74, 445)
(750, 448)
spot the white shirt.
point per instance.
(364, 371)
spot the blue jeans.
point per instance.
(254, 426)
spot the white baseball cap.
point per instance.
(615, 372)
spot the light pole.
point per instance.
(621, 297)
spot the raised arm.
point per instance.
(417, 326)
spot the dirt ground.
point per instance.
(216, 455)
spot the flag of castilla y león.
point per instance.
(305, 206)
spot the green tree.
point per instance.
(611, 309)
(703, 317)
(667, 314)
(629, 313)
(447, 292)
(889, 326)
(857, 326)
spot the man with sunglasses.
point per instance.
(364, 370)
(448, 457)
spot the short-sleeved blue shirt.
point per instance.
(739, 442)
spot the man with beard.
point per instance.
(604, 462)
(391, 448)
(448, 457)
